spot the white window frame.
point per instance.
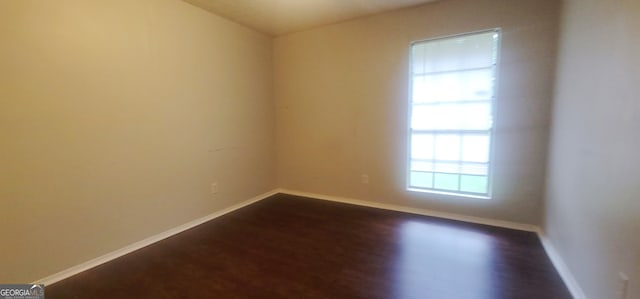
(491, 130)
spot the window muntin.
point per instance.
(453, 83)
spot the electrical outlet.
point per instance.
(364, 179)
(214, 188)
(623, 285)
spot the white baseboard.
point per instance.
(51, 279)
(426, 212)
(557, 261)
(566, 274)
(555, 258)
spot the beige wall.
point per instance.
(341, 104)
(115, 117)
(593, 204)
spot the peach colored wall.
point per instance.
(115, 117)
(341, 104)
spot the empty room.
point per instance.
(396, 149)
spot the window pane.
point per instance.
(422, 146)
(424, 118)
(477, 116)
(418, 58)
(421, 179)
(447, 167)
(459, 86)
(474, 168)
(447, 147)
(470, 116)
(473, 183)
(479, 49)
(446, 181)
(438, 117)
(475, 148)
(453, 89)
(463, 52)
(422, 166)
(421, 91)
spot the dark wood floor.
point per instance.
(291, 247)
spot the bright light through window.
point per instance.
(453, 83)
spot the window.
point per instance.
(453, 82)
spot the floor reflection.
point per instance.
(436, 259)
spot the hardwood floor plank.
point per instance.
(293, 247)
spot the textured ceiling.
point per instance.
(278, 17)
